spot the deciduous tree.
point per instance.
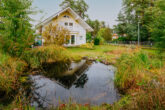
(105, 33)
(55, 34)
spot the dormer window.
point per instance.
(66, 16)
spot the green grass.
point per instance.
(98, 52)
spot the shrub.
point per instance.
(48, 54)
(87, 45)
(98, 41)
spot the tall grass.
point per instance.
(135, 77)
(10, 72)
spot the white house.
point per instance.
(70, 20)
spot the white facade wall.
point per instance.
(76, 29)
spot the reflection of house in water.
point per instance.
(75, 76)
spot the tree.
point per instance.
(54, 34)
(157, 27)
(16, 32)
(89, 37)
(96, 25)
(134, 11)
(105, 33)
(122, 24)
(79, 6)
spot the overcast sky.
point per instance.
(104, 10)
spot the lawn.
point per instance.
(106, 53)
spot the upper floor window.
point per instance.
(66, 16)
(66, 24)
(70, 24)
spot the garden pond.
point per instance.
(92, 83)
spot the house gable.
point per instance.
(71, 13)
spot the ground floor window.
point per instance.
(72, 39)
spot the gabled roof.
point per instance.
(73, 13)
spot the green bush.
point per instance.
(87, 46)
(52, 60)
(36, 57)
(98, 41)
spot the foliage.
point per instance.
(16, 31)
(120, 39)
(137, 76)
(89, 37)
(132, 68)
(79, 6)
(105, 33)
(36, 57)
(96, 25)
(98, 40)
(134, 11)
(54, 34)
(10, 72)
(87, 45)
(157, 27)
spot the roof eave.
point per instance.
(89, 29)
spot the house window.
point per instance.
(66, 24)
(71, 24)
(81, 37)
(66, 16)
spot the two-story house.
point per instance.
(70, 20)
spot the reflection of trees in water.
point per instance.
(81, 81)
(34, 96)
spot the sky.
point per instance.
(103, 10)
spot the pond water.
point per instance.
(94, 86)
